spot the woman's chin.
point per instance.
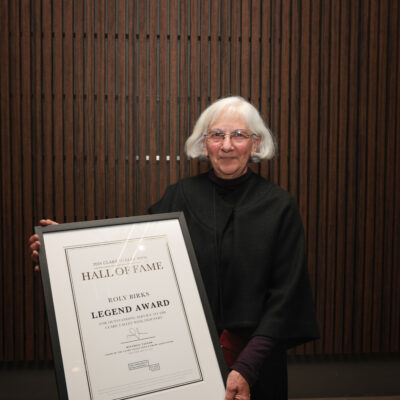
(229, 173)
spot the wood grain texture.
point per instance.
(122, 141)
(68, 111)
(27, 277)
(100, 110)
(6, 302)
(15, 282)
(98, 98)
(79, 115)
(132, 109)
(151, 133)
(173, 81)
(164, 134)
(89, 100)
(183, 85)
(38, 305)
(391, 252)
(58, 114)
(342, 118)
(112, 190)
(350, 177)
(142, 174)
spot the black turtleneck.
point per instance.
(227, 186)
(252, 357)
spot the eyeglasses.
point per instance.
(237, 136)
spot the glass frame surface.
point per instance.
(127, 311)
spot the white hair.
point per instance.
(235, 106)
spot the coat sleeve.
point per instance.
(169, 202)
(289, 315)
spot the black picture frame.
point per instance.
(66, 298)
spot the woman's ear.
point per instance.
(255, 144)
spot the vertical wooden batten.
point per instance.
(6, 302)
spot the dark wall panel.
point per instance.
(98, 98)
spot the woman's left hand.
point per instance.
(237, 387)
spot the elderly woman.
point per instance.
(249, 242)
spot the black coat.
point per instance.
(250, 250)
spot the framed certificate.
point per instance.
(127, 311)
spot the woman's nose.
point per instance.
(227, 143)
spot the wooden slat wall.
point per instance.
(98, 98)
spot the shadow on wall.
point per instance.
(344, 376)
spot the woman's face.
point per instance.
(229, 159)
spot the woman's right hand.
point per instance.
(34, 244)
